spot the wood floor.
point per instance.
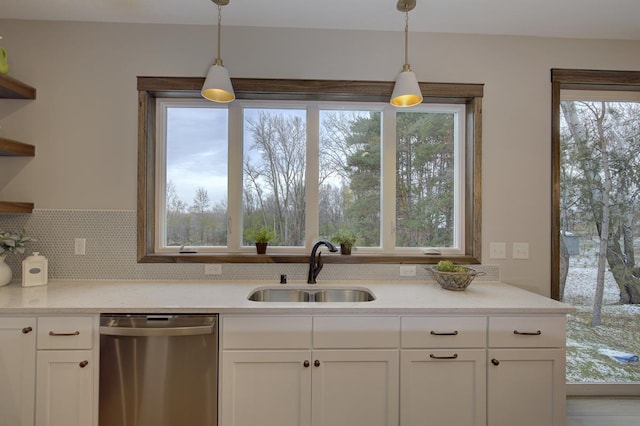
(603, 411)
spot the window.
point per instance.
(306, 162)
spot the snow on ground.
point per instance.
(587, 346)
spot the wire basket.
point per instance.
(456, 281)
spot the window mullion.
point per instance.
(234, 185)
(388, 184)
(312, 219)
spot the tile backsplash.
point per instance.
(111, 253)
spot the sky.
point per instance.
(197, 152)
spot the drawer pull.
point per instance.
(306, 363)
(27, 330)
(316, 363)
(452, 333)
(83, 364)
(527, 333)
(432, 356)
(495, 362)
(53, 333)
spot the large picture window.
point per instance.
(405, 181)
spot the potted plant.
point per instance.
(261, 236)
(346, 238)
(10, 242)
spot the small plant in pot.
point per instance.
(346, 238)
(261, 236)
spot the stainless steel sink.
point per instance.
(344, 295)
(297, 294)
(279, 294)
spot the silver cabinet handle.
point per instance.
(432, 356)
(83, 364)
(53, 333)
(27, 330)
(452, 333)
(527, 333)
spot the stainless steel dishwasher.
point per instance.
(158, 370)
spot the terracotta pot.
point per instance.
(261, 248)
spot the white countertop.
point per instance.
(402, 297)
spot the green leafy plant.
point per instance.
(448, 266)
(13, 242)
(345, 237)
(263, 234)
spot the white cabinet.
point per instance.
(443, 371)
(67, 369)
(17, 370)
(65, 388)
(526, 371)
(304, 370)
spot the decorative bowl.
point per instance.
(456, 281)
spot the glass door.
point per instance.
(599, 224)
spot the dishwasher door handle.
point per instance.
(157, 331)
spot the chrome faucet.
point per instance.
(315, 265)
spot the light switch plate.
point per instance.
(407, 270)
(212, 269)
(80, 246)
(498, 250)
(520, 251)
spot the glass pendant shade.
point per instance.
(406, 92)
(217, 86)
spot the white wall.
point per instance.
(84, 122)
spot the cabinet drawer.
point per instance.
(65, 332)
(266, 332)
(527, 332)
(356, 332)
(444, 332)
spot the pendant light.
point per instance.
(406, 92)
(217, 86)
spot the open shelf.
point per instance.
(15, 207)
(11, 148)
(10, 88)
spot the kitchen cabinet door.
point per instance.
(65, 388)
(355, 388)
(17, 371)
(526, 387)
(443, 387)
(266, 388)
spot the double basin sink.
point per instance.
(306, 294)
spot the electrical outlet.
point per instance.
(407, 270)
(498, 250)
(520, 251)
(212, 269)
(80, 246)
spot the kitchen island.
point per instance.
(489, 356)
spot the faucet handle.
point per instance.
(318, 266)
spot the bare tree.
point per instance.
(606, 148)
(278, 179)
(199, 208)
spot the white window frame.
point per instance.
(388, 173)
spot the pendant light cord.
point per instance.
(218, 60)
(406, 66)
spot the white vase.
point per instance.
(5, 271)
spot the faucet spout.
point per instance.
(315, 263)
